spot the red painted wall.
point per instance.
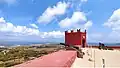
(75, 38)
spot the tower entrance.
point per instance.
(83, 43)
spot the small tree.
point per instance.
(26, 58)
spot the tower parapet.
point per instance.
(78, 30)
(66, 31)
(72, 31)
(85, 31)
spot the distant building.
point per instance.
(2, 46)
(75, 38)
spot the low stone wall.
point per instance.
(113, 47)
(57, 59)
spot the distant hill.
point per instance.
(9, 43)
(117, 43)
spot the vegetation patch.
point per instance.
(17, 55)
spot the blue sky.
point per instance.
(46, 20)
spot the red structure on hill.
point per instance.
(75, 38)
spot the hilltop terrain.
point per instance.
(16, 55)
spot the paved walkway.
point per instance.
(57, 59)
(111, 59)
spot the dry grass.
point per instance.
(42, 51)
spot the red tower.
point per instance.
(75, 38)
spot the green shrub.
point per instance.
(110, 49)
(8, 64)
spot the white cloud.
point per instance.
(84, 0)
(51, 12)
(2, 20)
(114, 24)
(12, 32)
(88, 24)
(66, 23)
(34, 25)
(114, 21)
(9, 27)
(8, 1)
(78, 16)
(77, 20)
(54, 34)
(76, 4)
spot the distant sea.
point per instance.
(9, 44)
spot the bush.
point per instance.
(1, 64)
(26, 58)
(20, 53)
(8, 64)
(43, 52)
(110, 49)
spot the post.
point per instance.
(94, 58)
(91, 51)
(103, 61)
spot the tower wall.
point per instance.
(75, 38)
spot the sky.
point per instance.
(46, 20)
